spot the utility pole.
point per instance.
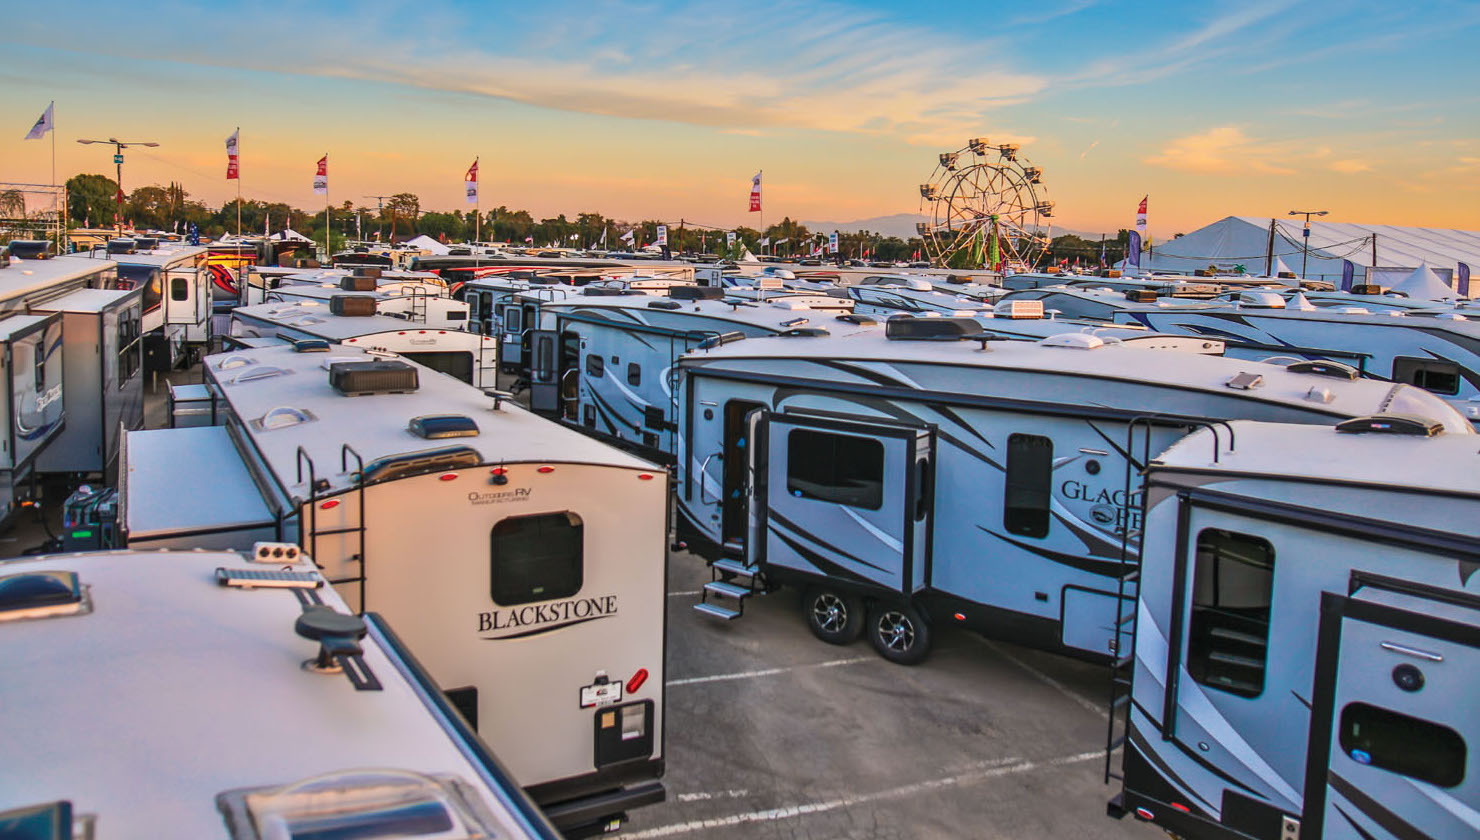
(380, 213)
(1305, 236)
(118, 147)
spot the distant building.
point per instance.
(1247, 241)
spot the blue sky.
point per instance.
(666, 109)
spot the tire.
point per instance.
(899, 633)
(834, 616)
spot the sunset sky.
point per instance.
(663, 110)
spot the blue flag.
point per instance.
(194, 234)
(1133, 251)
(1462, 280)
(1348, 269)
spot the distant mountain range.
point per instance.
(902, 225)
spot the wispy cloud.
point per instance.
(1048, 12)
(1222, 150)
(1350, 166)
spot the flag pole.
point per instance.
(61, 211)
(328, 252)
(477, 210)
(238, 183)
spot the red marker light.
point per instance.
(497, 471)
(1145, 814)
(960, 617)
(545, 470)
(329, 505)
(421, 332)
(1180, 807)
(637, 680)
(447, 476)
(645, 477)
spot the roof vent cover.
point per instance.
(355, 306)
(32, 249)
(696, 292)
(1025, 309)
(41, 594)
(909, 328)
(121, 246)
(379, 377)
(1391, 424)
(358, 283)
(438, 426)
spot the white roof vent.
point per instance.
(1075, 341)
(1261, 300)
(1353, 310)
(234, 362)
(1300, 302)
(1025, 309)
(781, 273)
(915, 284)
(768, 283)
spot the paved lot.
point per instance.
(773, 734)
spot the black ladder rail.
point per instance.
(344, 451)
(301, 456)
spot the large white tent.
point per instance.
(1249, 241)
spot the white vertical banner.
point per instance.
(832, 242)
(729, 238)
(662, 235)
(470, 181)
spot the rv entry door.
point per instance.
(544, 370)
(843, 498)
(1394, 732)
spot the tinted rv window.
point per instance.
(1029, 489)
(458, 365)
(634, 373)
(1228, 634)
(179, 288)
(128, 344)
(842, 469)
(536, 558)
(1437, 375)
(1403, 744)
(595, 366)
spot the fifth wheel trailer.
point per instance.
(521, 561)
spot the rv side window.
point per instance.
(924, 487)
(39, 364)
(841, 469)
(634, 373)
(536, 558)
(595, 366)
(128, 345)
(1228, 634)
(1436, 375)
(179, 288)
(1029, 488)
(1402, 744)
(513, 319)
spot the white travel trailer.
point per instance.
(211, 694)
(1307, 635)
(486, 297)
(102, 380)
(466, 356)
(523, 562)
(605, 363)
(262, 281)
(1437, 350)
(32, 403)
(927, 474)
(32, 276)
(175, 284)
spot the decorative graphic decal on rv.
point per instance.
(534, 619)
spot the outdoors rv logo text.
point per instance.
(542, 618)
(518, 494)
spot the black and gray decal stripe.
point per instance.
(1200, 761)
(823, 565)
(1373, 810)
(1108, 568)
(1167, 772)
(792, 526)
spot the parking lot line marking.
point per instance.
(793, 811)
(702, 796)
(685, 592)
(1068, 692)
(767, 672)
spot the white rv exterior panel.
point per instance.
(190, 488)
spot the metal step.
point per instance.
(728, 590)
(717, 611)
(734, 567)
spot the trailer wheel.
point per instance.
(835, 617)
(899, 633)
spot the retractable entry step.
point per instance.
(732, 580)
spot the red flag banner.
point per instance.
(321, 180)
(1141, 214)
(755, 193)
(233, 172)
(470, 181)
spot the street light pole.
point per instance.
(1305, 236)
(118, 147)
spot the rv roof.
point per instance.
(755, 313)
(20, 323)
(1447, 462)
(1108, 361)
(89, 300)
(25, 277)
(311, 316)
(375, 426)
(174, 689)
(200, 464)
(159, 256)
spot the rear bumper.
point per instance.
(603, 812)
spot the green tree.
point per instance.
(12, 204)
(91, 200)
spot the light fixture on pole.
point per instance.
(1305, 236)
(119, 146)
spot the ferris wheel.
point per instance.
(986, 208)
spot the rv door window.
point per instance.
(513, 320)
(1228, 634)
(595, 366)
(179, 288)
(634, 373)
(1436, 375)
(1029, 486)
(841, 469)
(537, 558)
(39, 364)
(1403, 744)
(128, 344)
